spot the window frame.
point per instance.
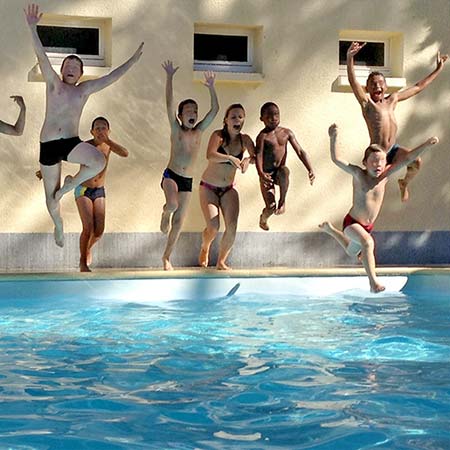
(99, 23)
(248, 66)
(363, 70)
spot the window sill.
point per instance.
(90, 73)
(341, 83)
(232, 77)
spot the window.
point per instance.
(372, 55)
(383, 52)
(88, 37)
(227, 48)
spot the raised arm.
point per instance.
(33, 16)
(17, 128)
(170, 72)
(117, 148)
(357, 89)
(302, 155)
(91, 86)
(336, 157)
(412, 155)
(422, 84)
(207, 120)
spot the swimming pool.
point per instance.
(209, 363)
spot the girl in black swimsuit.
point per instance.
(225, 155)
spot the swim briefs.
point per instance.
(91, 193)
(349, 220)
(53, 152)
(184, 184)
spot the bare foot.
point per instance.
(281, 209)
(203, 258)
(166, 264)
(376, 287)
(404, 194)
(89, 257)
(66, 187)
(84, 268)
(222, 266)
(263, 223)
(58, 234)
(165, 222)
(326, 227)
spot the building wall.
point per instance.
(300, 65)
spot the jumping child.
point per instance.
(378, 111)
(185, 139)
(271, 153)
(369, 184)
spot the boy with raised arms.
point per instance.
(185, 140)
(65, 100)
(369, 184)
(378, 111)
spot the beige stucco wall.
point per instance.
(299, 66)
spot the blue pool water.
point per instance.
(224, 364)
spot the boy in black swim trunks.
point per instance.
(65, 100)
(185, 138)
(271, 152)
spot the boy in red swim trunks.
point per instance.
(369, 184)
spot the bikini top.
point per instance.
(222, 151)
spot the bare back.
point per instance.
(380, 120)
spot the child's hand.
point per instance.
(168, 67)
(433, 140)
(333, 130)
(266, 179)
(354, 48)
(32, 14)
(245, 164)
(209, 79)
(440, 59)
(312, 177)
(19, 100)
(236, 162)
(138, 53)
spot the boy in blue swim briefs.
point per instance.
(185, 139)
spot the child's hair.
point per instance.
(188, 101)
(372, 148)
(99, 118)
(266, 106)
(375, 74)
(76, 58)
(224, 133)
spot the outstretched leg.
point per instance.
(411, 172)
(229, 204)
(283, 181)
(357, 233)
(51, 176)
(170, 189)
(86, 211)
(175, 229)
(268, 193)
(91, 163)
(209, 203)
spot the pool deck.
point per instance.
(195, 272)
